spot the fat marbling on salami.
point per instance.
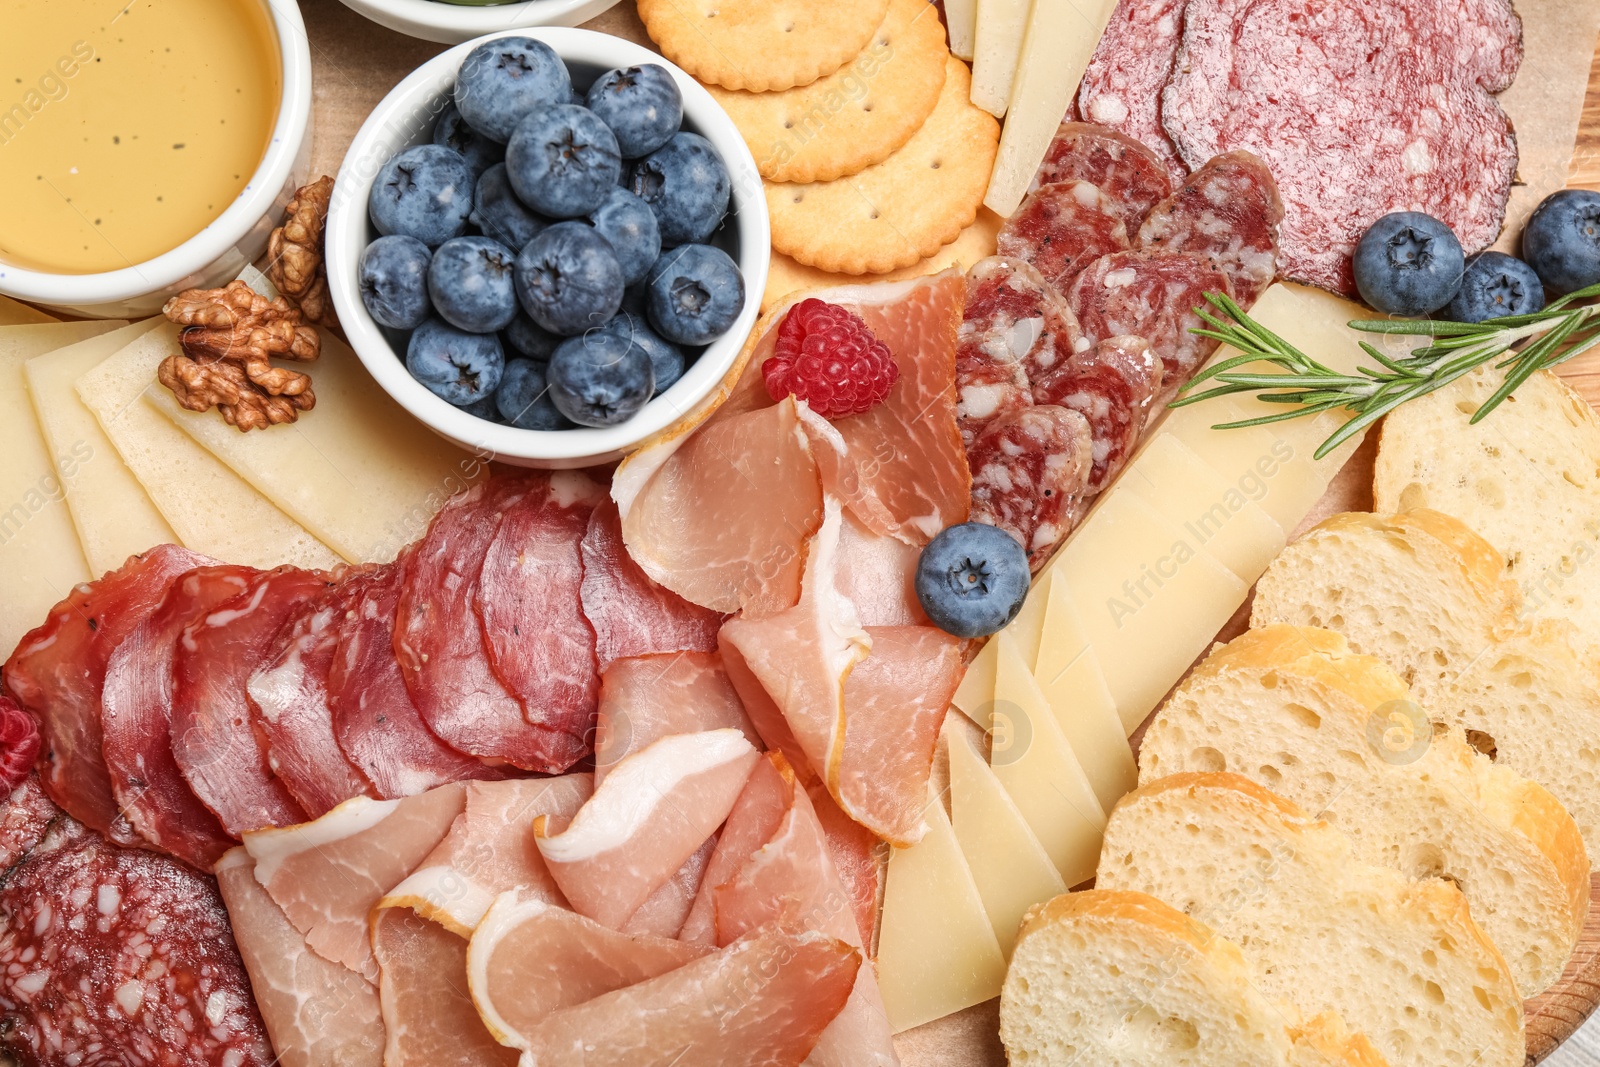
(1060, 228)
(1030, 476)
(1227, 211)
(1111, 386)
(1122, 167)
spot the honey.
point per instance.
(126, 128)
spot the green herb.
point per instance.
(1520, 344)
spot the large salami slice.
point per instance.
(25, 815)
(1122, 86)
(1359, 108)
(1030, 474)
(58, 670)
(1132, 176)
(1062, 227)
(1110, 385)
(112, 956)
(1227, 211)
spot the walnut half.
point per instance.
(295, 254)
(224, 386)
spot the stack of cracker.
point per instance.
(874, 159)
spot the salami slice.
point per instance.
(1030, 475)
(1151, 294)
(58, 670)
(1110, 385)
(1227, 211)
(1122, 86)
(1132, 176)
(1061, 228)
(119, 956)
(25, 816)
(1359, 108)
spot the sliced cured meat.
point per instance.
(113, 955)
(1062, 227)
(663, 912)
(24, 817)
(489, 850)
(632, 615)
(290, 690)
(328, 875)
(761, 807)
(1151, 294)
(377, 726)
(529, 958)
(58, 670)
(1415, 127)
(317, 1012)
(652, 812)
(540, 644)
(136, 714)
(428, 1014)
(1122, 86)
(878, 574)
(1133, 176)
(214, 730)
(439, 643)
(1111, 385)
(1030, 476)
(19, 745)
(1227, 211)
(764, 712)
(858, 856)
(646, 698)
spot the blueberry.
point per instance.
(1408, 263)
(686, 185)
(457, 366)
(470, 281)
(393, 276)
(562, 161)
(568, 279)
(1493, 286)
(972, 579)
(636, 300)
(1562, 240)
(499, 214)
(528, 338)
(600, 378)
(696, 294)
(667, 360)
(450, 130)
(484, 408)
(642, 105)
(523, 398)
(424, 192)
(630, 226)
(503, 80)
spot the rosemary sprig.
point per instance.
(1519, 344)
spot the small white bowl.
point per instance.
(404, 118)
(238, 236)
(433, 20)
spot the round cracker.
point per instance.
(761, 45)
(860, 114)
(903, 209)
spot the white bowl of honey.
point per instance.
(147, 148)
(452, 23)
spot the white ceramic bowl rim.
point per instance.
(472, 19)
(394, 124)
(223, 232)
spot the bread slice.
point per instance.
(1527, 478)
(1335, 732)
(1119, 979)
(1398, 959)
(1420, 591)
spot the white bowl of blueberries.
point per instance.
(548, 245)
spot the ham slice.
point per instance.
(764, 712)
(136, 712)
(422, 988)
(858, 856)
(652, 812)
(317, 1013)
(646, 698)
(761, 807)
(329, 874)
(214, 728)
(58, 669)
(878, 574)
(663, 912)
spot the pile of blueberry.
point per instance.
(1409, 263)
(548, 251)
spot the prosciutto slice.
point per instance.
(428, 1013)
(755, 818)
(647, 698)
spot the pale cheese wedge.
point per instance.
(211, 509)
(113, 515)
(15, 313)
(960, 18)
(996, 50)
(40, 558)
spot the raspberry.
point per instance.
(828, 357)
(19, 744)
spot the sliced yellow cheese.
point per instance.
(210, 508)
(996, 50)
(357, 471)
(961, 17)
(1032, 759)
(40, 558)
(15, 313)
(110, 509)
(1010, 868)
(1061, 36)
(937, 952)
(975, 694)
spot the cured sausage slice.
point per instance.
(1030, 473)
(1122, 86)
(1111, 386)
(1227, 211)
(120, 956)
(1133, 176)
(24, 817)
(1062, 227)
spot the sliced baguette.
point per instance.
(1335, 732)
(1120, 979)
(1398, 959)
(1419, 590)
